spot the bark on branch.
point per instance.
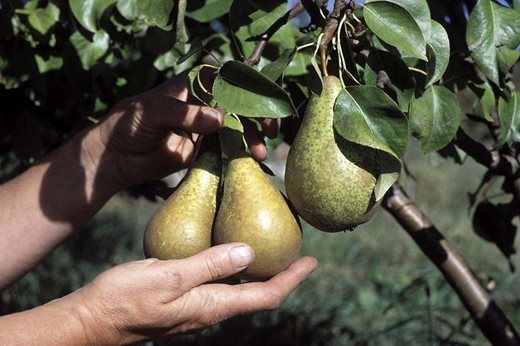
(498, 162)
(329, 31)
(484, 311)
(266, 36)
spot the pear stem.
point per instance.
(329, 31)
(485, 312)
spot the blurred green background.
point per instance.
(373, 285)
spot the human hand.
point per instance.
(151, 299)
(151, 135)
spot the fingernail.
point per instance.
(241, 256)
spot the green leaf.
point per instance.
(299, 64)
(366, 116)
(435, 118)
(42, 19)
(276, 69)
(231, 137)
(233, 122)
(420, 12)
(509, 115)
(157, 12)
(397, 71)
(491, 26)
(88, 12)
(195, 48)
(486, 99)
(128, 9)
(89, 52)
(506, 58)
(196, 84)
(51, 64)
(167, 60)
(438, 52)
(507, 26)
(250, 19)
(390, 169)
(242, 90)
(208, 10)
(154, 13)
(394, 25)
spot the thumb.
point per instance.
(213, 264)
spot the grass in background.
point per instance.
(373, 286)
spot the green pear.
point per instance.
(254, 211)
(330, 181)
(182, 226)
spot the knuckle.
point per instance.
(215, 267)
(175, 280)
(192, 112)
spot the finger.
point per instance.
(213, 264)
(176, 153)
(177, 86)
(212, 303)
(169, 113)
(254, 141)
(270, 127)
(174, 87)
(269, 295)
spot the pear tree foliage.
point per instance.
(440, 71)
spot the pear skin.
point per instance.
(182, 226)
(253, 211)
(330, 181)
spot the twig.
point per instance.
(263, 38)
(499, 164)
(485, 312)
(328, 33)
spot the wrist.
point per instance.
(100, 323)
(50, 324)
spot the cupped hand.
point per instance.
(151, 299)
(154, 134)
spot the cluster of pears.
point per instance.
(251, 210)
(329, 180)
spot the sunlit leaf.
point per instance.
(509, 114)
(88, 12)
(435, 118)
(50, 64)
(492, 26)
(486, 99)
(396, 26)
(277, 68)
(438, 52)
(367, 116)
(381, 62)
(420, 12)
(208, 10)
(42, 19)
(243, 90)
(89, 52)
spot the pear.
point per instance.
(182, 226)
(330, 181)
(254, 211)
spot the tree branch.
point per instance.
(329, 31)
(500, 164)
(262, 39)
(484, 311)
